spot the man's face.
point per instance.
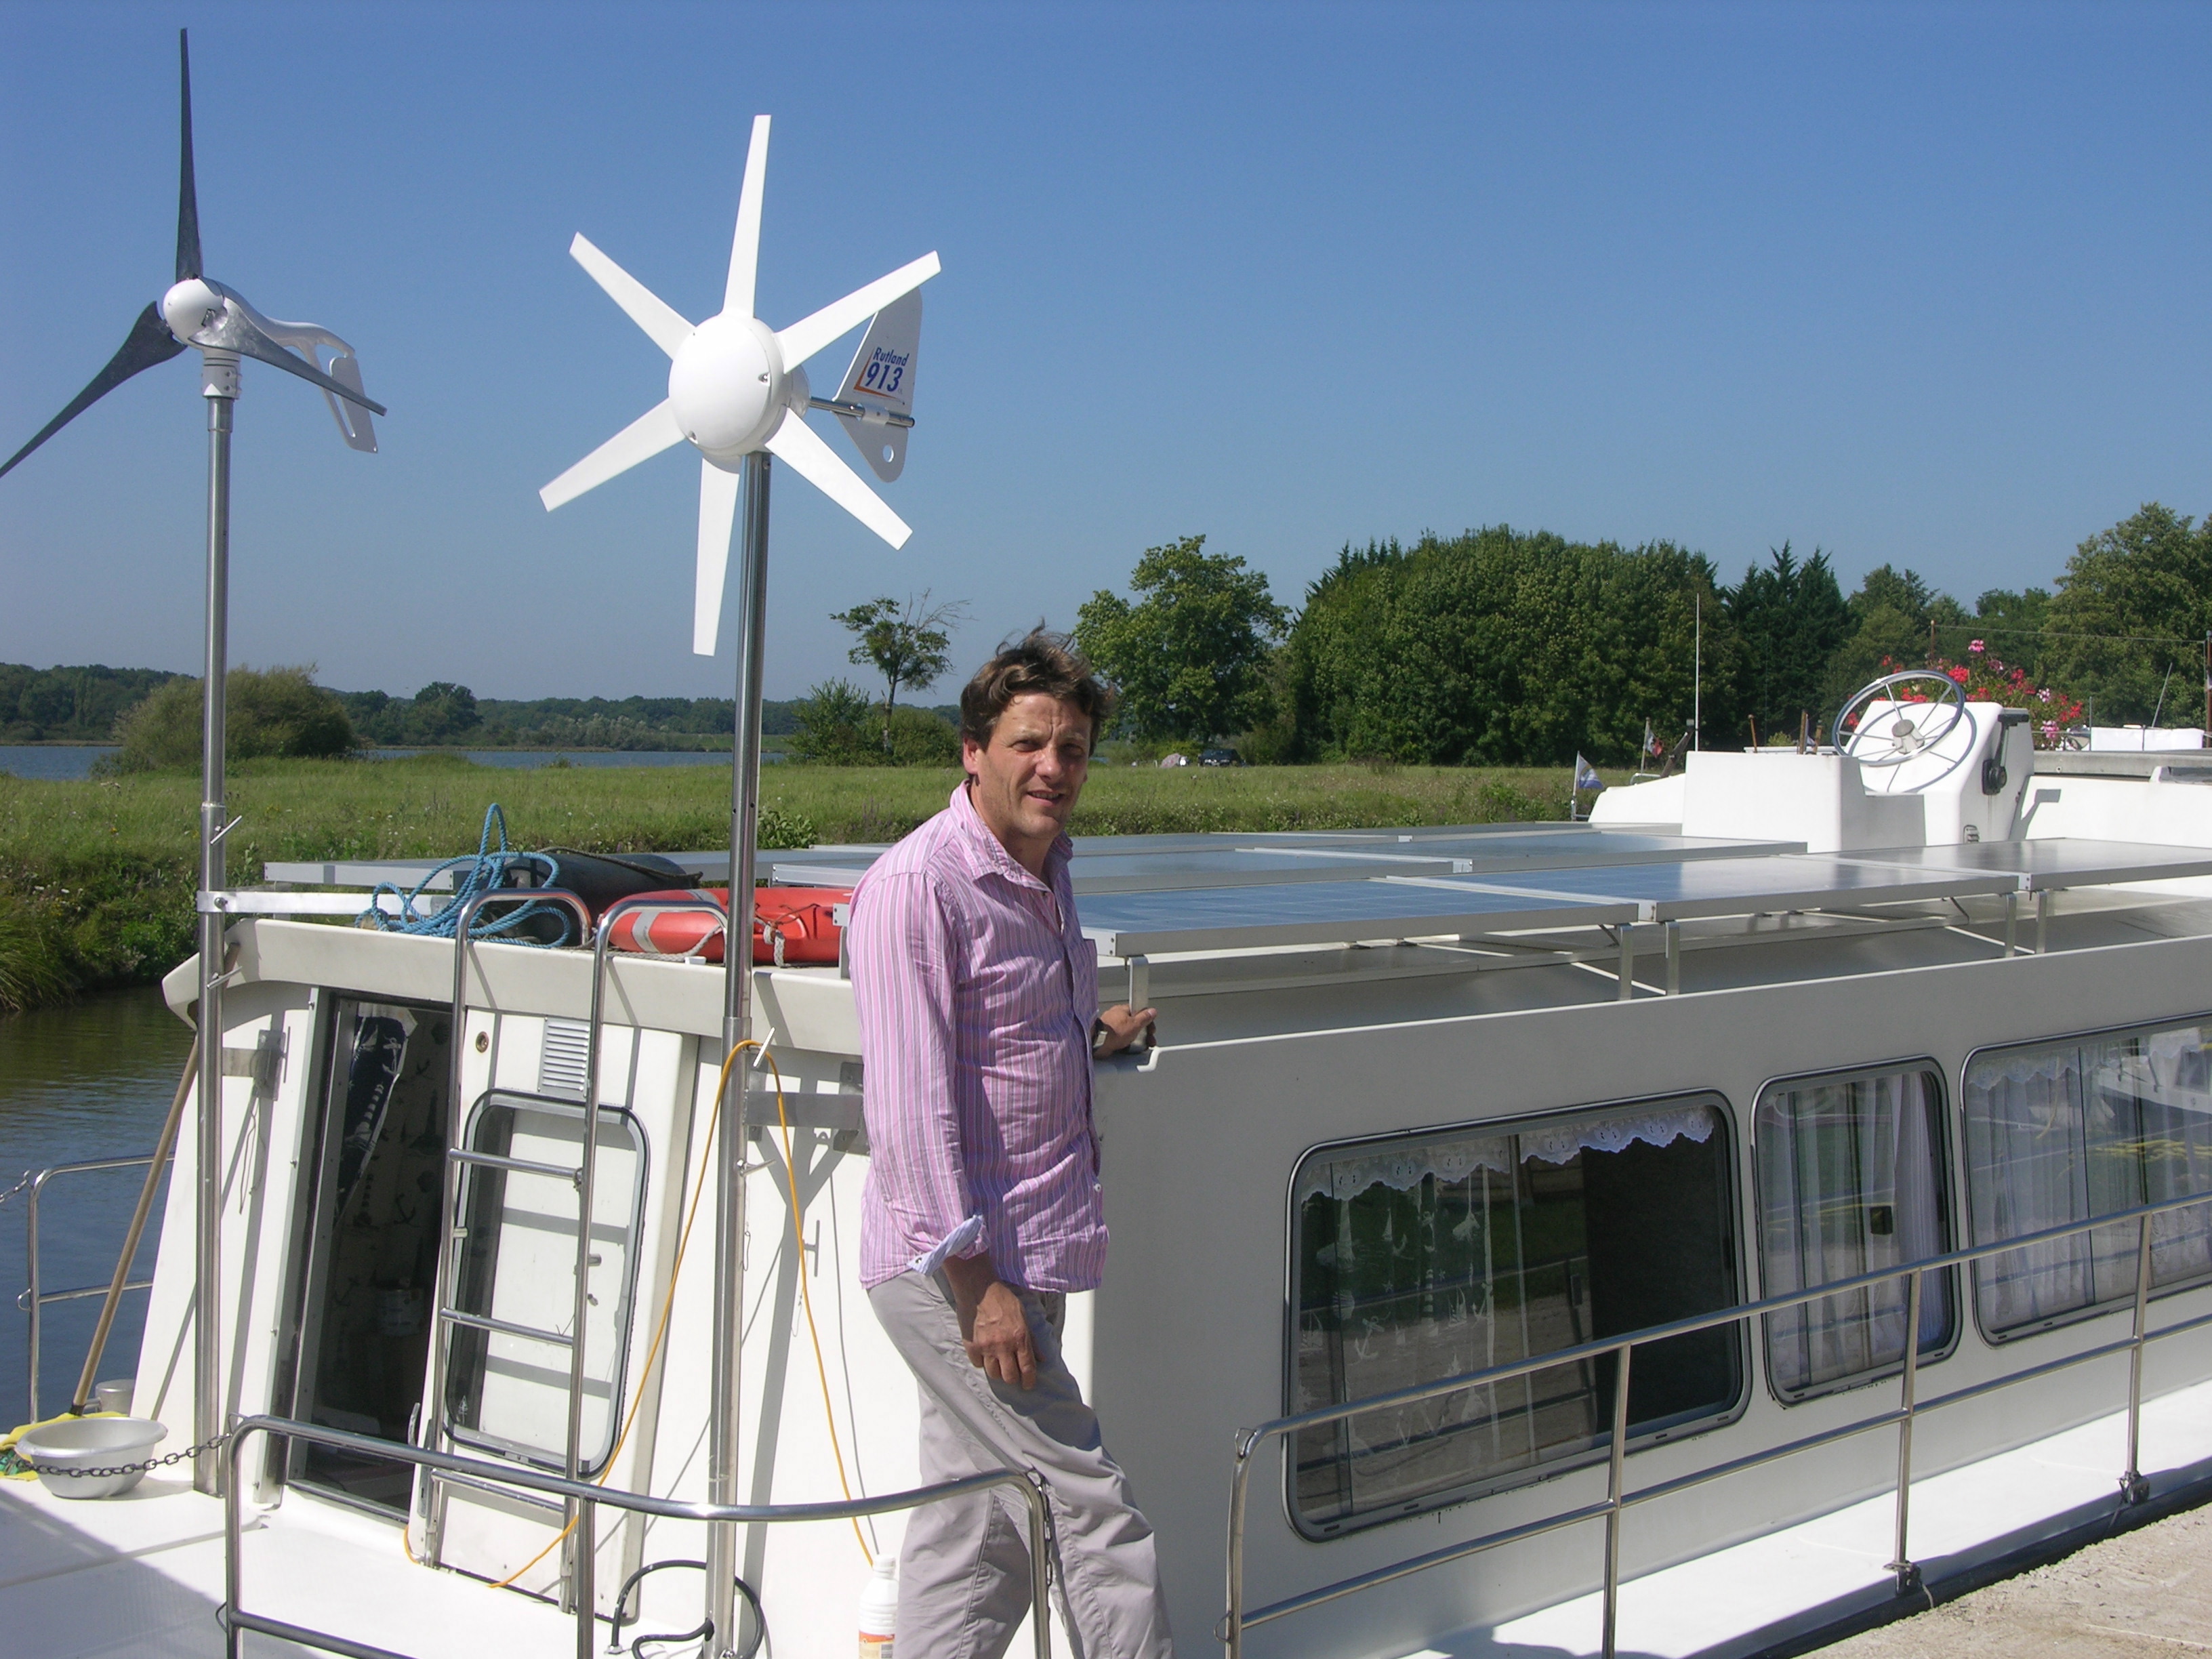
(1028, 777)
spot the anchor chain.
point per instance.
(133, 1469)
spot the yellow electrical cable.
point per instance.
(806, 1301)
(660, 1328)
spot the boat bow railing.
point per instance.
(1612, 1510)
(582, 1498)
(35, 1298)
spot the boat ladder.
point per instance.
(449, 1316)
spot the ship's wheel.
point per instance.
(1911, 727)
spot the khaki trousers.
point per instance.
(964, 1567)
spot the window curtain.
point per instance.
(2061, 1133)
(1437, 1255)
(1850, 1183)
(1403, 1166)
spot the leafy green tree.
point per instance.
(1188, 658)
(1499, 648)
(1897, 619)
(1789, 618)
(2136, 600)
(2013, 623)
(443, 713)
(274, 711)
(909, 644)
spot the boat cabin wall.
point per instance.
(269, 1061)
(1195, 1334)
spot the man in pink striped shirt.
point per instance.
(978, 999)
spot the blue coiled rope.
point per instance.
(483, 873)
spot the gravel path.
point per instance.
(2147, 1591)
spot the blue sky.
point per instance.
(1922, 284)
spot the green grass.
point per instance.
(96, 877)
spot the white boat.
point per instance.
(1441, 1118)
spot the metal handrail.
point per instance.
(34, 1296)
(582, 1498)
(2134, 1488)
(602, 938)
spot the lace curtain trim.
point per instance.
(1404, 1167)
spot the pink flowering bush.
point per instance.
(1985, 678)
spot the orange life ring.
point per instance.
(792, 926)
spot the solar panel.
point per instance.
(1217, 861)
(1423, 832)
(1734, 887)
(1558, 846)
(1324, 913)
(2049, 866)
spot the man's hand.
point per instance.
(1119, 1027)
(992, 1323)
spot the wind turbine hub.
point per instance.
(725, 387)
(187, 306)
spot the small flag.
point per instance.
(1586, 775)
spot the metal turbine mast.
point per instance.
(739, 394)
(198, 312)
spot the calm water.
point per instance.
(91, 1080)
(48, 761)
(73, 761)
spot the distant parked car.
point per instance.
(1220, 757)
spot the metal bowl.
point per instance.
(90, 1443)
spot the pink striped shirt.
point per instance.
(977, 990)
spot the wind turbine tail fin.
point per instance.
(880, 382)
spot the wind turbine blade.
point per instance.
(745, 246)
(149, 342)
(717, 511)
(231, 329)
(641, 440)
(354, 423)
(662, 323)
(810, 334)
(800, 448)
(188, 195)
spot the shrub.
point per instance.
(840, 725)
(269, 712)
(791, 831)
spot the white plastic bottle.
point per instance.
(879, 1608)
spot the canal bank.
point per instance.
(2145, 1590)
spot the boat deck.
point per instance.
(142, 1574)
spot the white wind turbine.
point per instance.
(736, 389)
(197, 312)
(738, 392)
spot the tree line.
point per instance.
(1505, 648)
(99, 704)
(69, 705)
(1497, 647)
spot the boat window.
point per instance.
(2064, 1132)
(1851, 1181)
(1430, 1256)
(518, 1265)
(371, 1242)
